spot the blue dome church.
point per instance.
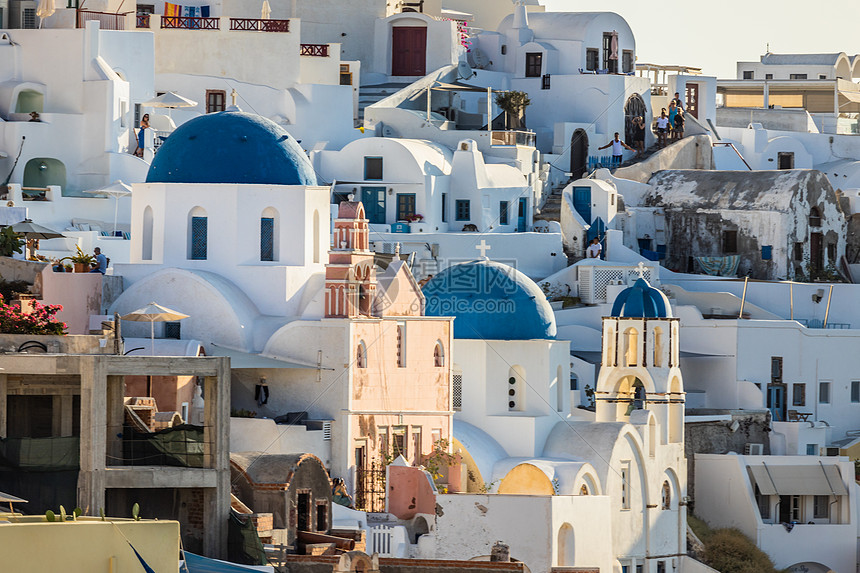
(491, 301)
(231, 147)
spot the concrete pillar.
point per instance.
(216, 397)
(91, 479)
(766, 95)
(62, 416)
(3, 389)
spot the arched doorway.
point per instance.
(578, 154)
(566, 546)
(634, 107)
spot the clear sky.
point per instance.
(714, 35)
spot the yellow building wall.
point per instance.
(87, 546)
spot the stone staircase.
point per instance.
(369, 95)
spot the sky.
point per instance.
(715, 35)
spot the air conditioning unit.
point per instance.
(830, 451)
(752, 449)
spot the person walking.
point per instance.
(639, 135)
(678, 132)
(662, 128)
(618, 148)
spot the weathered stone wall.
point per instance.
(718, 438)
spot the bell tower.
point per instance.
(350, 275)
(641, 362)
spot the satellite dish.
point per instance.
(464, 70)
(388, 131)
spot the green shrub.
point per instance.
(730, 551)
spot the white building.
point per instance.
(441, 204)
(602, 490)
(801, 511)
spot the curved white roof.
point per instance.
(569, 25)
(481, 446)
(430, 158)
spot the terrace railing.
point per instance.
(183, 23)
(106, 20)
(256, 25)
(143, 20)
(526, 138)
(319, 50)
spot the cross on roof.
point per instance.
(483, 247)
(641, 269)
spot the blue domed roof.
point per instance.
(490, 301)
(641, 301)
(231, 147)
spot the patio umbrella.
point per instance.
(153, 313)
(45, 9)
(613, 46)
(116, 190)
(267, 10)
(169, 100)
(32, 232)
(10, 499)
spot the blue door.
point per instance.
(597, 229)
(521, 214)
(373, 199)
(582, 202)
(776, 401)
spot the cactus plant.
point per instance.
(135, 512)
(49, 516)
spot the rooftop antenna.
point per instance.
(767, 49)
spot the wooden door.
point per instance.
(815, 245)
(692, 98)
(408, 51)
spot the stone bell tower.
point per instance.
(350, 275)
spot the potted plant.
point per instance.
(81, 260)
(514, 104)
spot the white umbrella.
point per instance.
(45, 9)
(267, 10)
(169, 100)
(153, 313)
(116, 190)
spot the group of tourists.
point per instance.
(670, 124)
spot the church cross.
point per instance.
(641, 269)
(483, 247)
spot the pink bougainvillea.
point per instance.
(42, 319)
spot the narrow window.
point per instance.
(625, 485)
(146, 253)
(775, 369)
(667, 495)
(609, 64)
(824, 392)
(438, 355)
(416, 445)
(215, 101)
(457, 391)
(546, 82)
(463, 210)
(399, 442)
(199, 235)
(574, 381)
(533, 64)
(361, 355)
(503, 213)
(401, 345)
(382, 433)
(303, 510)
(798, 395)
(316, 232)
(592, 59)
(627, 61)
(267, 239)
(798, 251)
(831, 252)
(855, 391)
(322, 515)
(814, 217)
(444, 207)
(373, 169)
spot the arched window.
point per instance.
(658, 347)
(667, 495)
(638, 395)
(269, 234)
(146, 252)
(316, 230)
(361, 355)
(631, 347)
(814, 217)
(438, 355)
(198, 234)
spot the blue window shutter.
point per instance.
(766, 252)
(199, 238)
(267, 239)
